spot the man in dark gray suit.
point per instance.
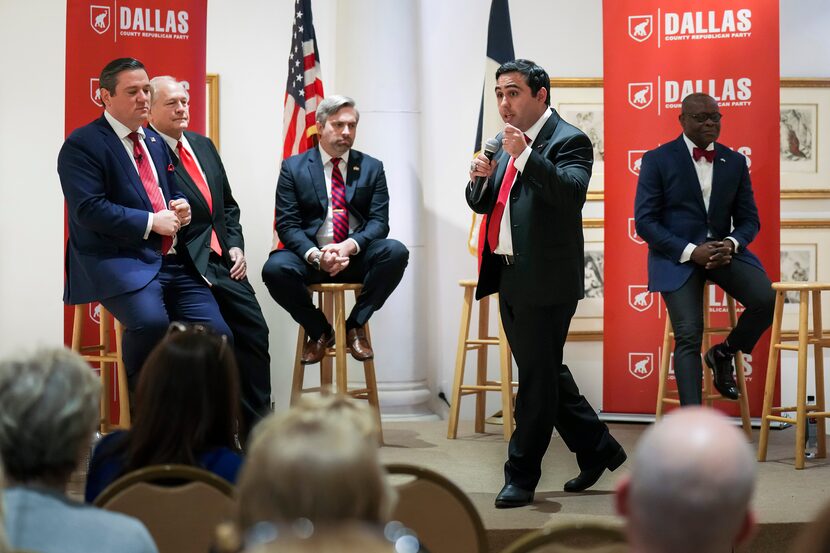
(532, 192)
(214, 241)
(332, 217)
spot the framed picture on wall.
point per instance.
(804, 258)
(212, 107)
(805, 138)
(589, 311)
(580, 103)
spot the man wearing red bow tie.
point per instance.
(124, 213)
(695, 209)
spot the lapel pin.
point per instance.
(355, 168)
(723, 160)
(152, 139)
(170, 168)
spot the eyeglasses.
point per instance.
(702, 117)
(178, 327)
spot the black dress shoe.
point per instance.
(511, 496)
(589, 477)
(724, 379)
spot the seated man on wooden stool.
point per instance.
(332, 216)
(695, 209)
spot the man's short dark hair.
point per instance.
(535, 76)
(109, 74)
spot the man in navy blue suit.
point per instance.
(124, 213)
(696, 210)
(332, 216)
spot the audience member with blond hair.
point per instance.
(690, 486)
(343, 538)
(318, 461)
(48, 413)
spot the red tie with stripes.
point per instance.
(151, 186)
(494, 223)
(340, 215)
(193, 170)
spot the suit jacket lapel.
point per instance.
(352, 174)
(684, 160)
(718, 168)
(318, 177)
(117, 147)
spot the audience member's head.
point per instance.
(318, 461)
(690, 486)
(48, 413)
(341, 538)
(187, 401)
(815, 538)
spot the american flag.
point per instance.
(304, 88)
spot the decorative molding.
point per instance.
(785, 223)
(797, 82)
(806, 194)
(598, 196)
(585, 336)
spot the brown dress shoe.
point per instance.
(359, 345)
(315, 350)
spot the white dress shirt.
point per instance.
(505, 246)
(704, 170)
(325, 235)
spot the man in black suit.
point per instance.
(695, 209)
(533, 257)
(332, 216)
(214, 240)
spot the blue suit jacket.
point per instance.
(302, 201)
(106, 254)
(669, 211)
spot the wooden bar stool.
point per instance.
(107, 358)
(482, 385)
(331, 297)
(665, 396)
(804, 339)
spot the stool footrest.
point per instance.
(786, 347)
(671, 401)
(472, 388)
(488, 341)
(779, 419)
(784, 409)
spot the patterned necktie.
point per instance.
(698, 153)
(340, 215)
(494, 224)
(151, 186)
(193, 170)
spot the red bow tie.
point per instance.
(709, 155)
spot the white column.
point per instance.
(377, 64)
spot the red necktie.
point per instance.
(151, 186)
(494, 224)
(698, 153)
(193, 170)
(340, 215)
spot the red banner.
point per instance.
(168, 36)
(657, 52)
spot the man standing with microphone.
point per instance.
(533, 191)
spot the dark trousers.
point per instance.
(548, 396)
(379, 267)
(178, 293)
(744, 282)
(240, 309)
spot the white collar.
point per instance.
(121, 130)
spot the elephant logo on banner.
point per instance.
(641, 365)
(639, 298)
(640, 94)
(639, 27)
(99, 19)
(95, 92)
(95, 312)
(635, 159)
(632, 232)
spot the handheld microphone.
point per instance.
(490, 149)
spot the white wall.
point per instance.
(248, 48)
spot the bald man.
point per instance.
(690, 486)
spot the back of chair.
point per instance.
(444, 519)
(573, 537)
(180, 505)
